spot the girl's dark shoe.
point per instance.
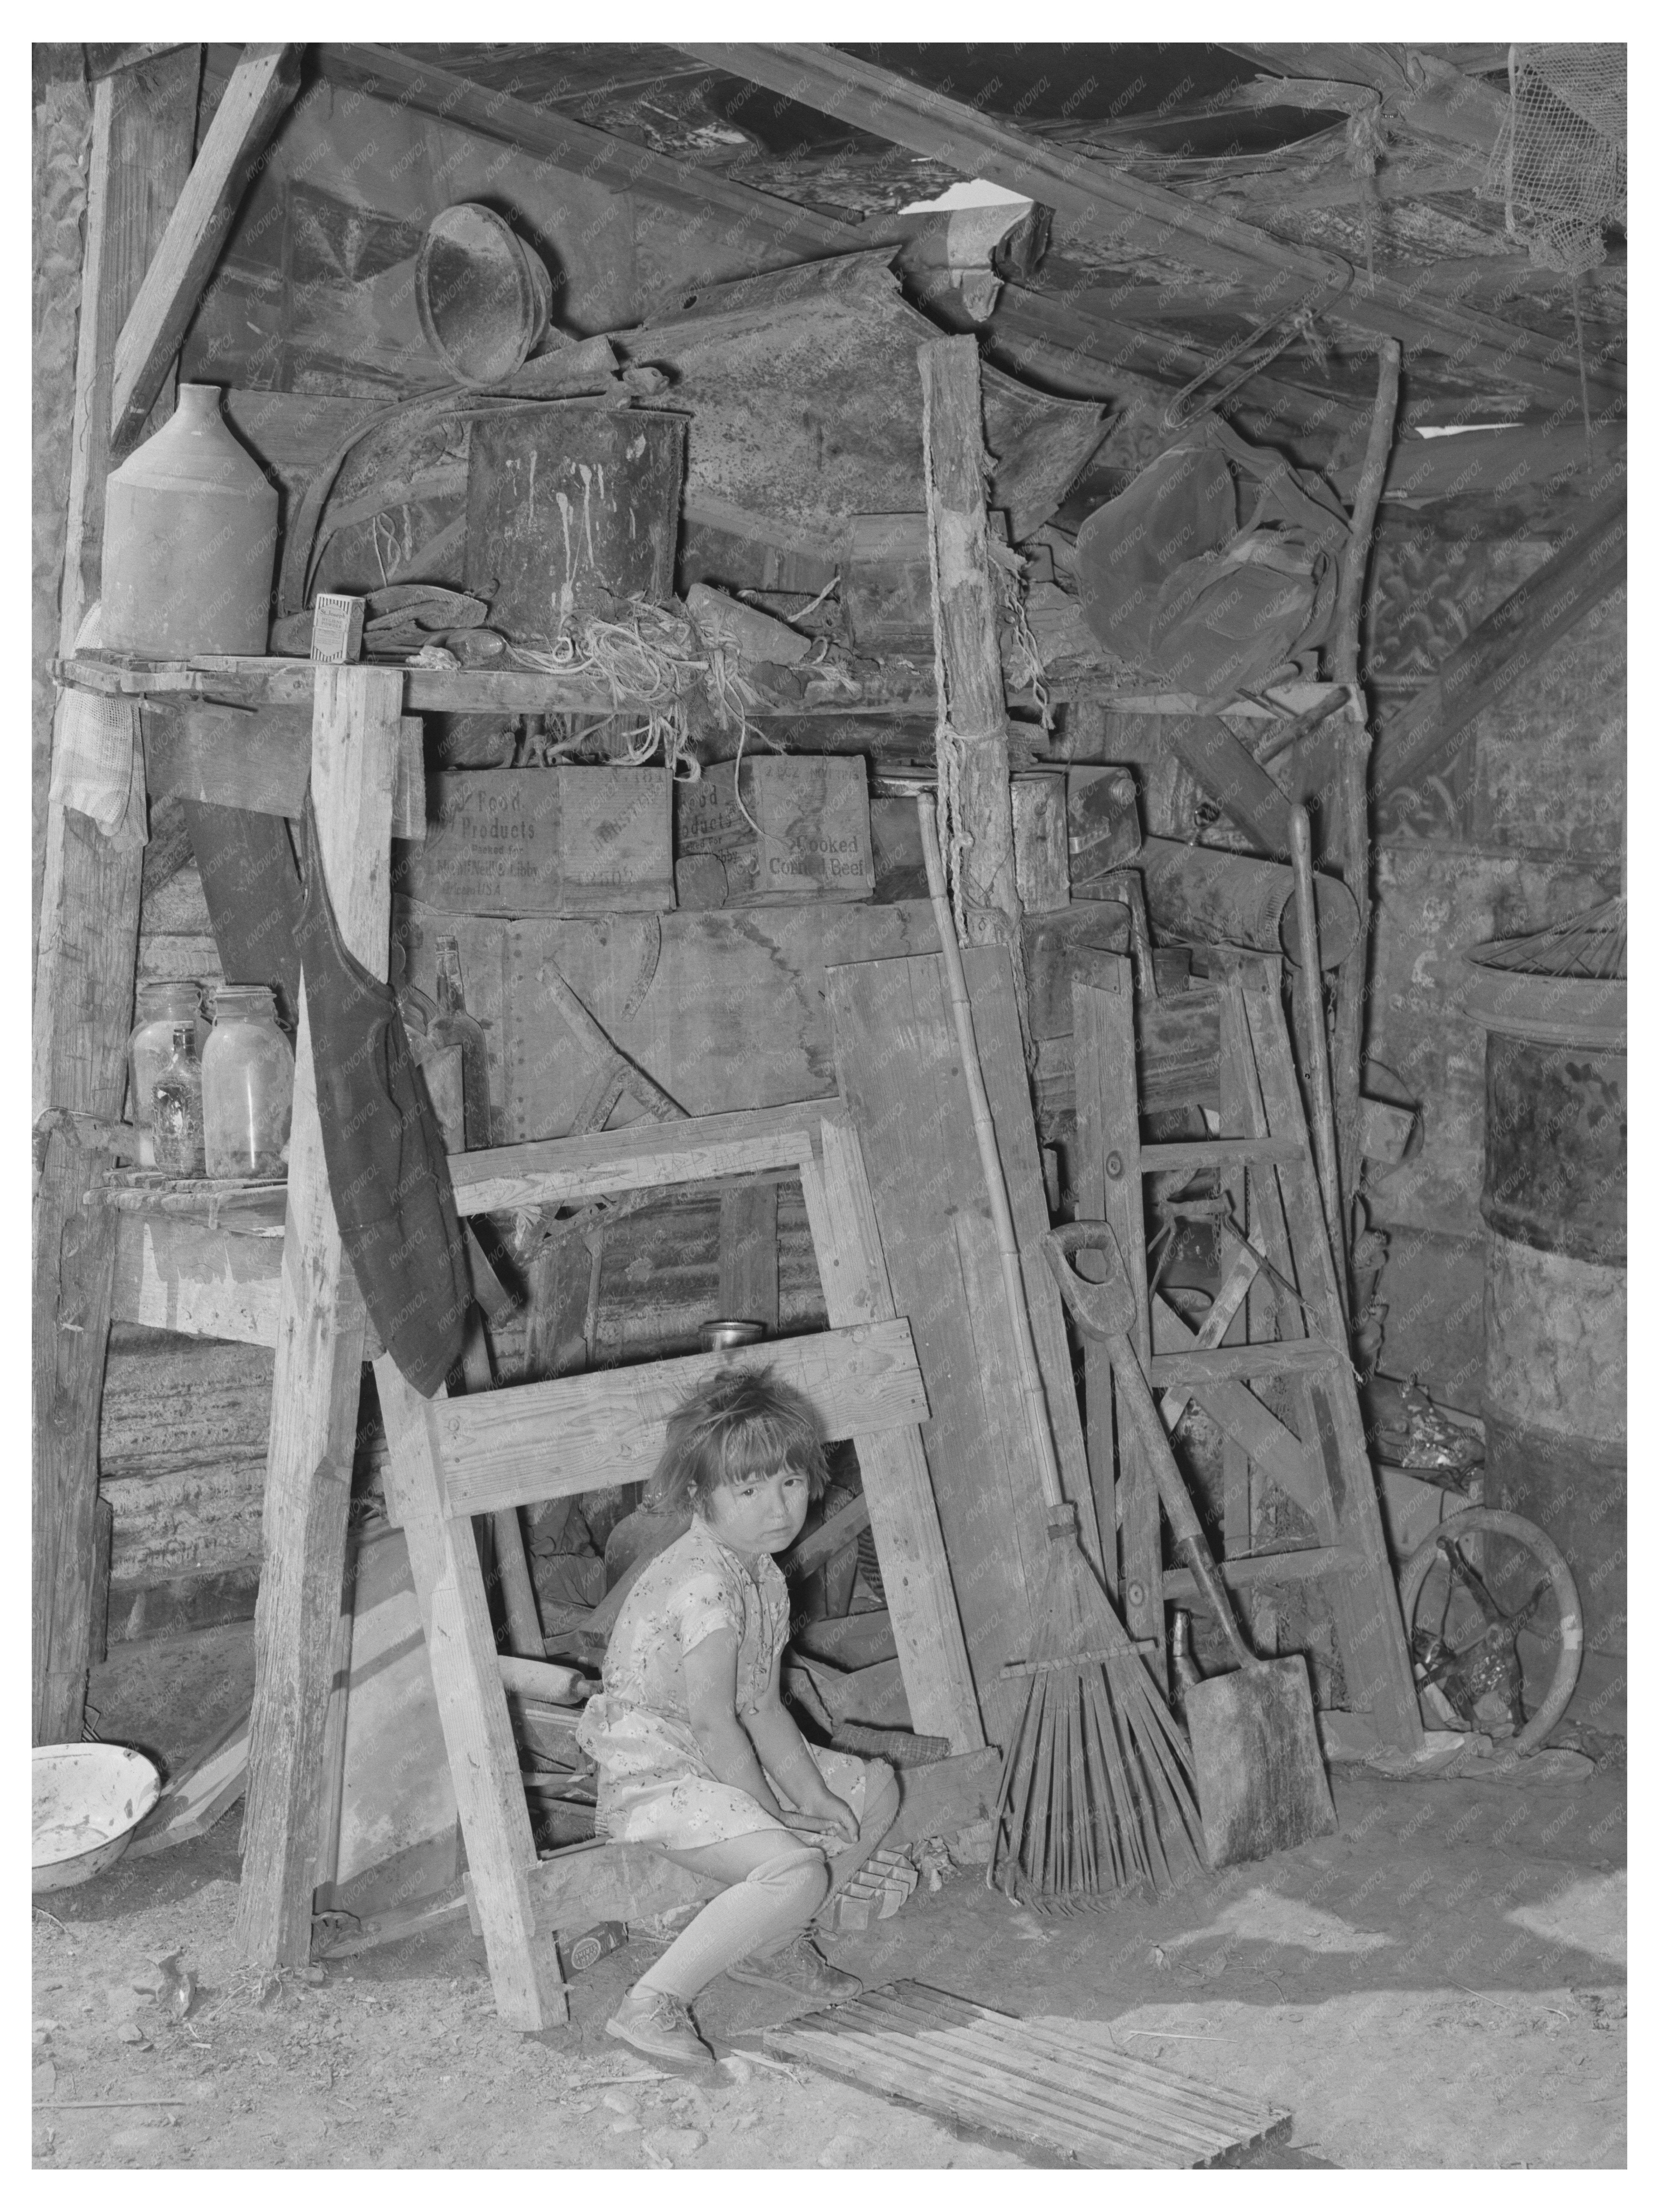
(660, 2027)
(801, 1969)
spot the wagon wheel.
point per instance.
(1466, 1641)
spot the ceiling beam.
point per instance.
(1129, 217)
(261, 90)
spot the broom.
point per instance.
(1097, 1789)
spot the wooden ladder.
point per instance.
(1277, 1315)
(490, 1452)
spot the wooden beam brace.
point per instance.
(585, 1431)
(1242, 789)
(261, 88)
(143, 125)
(898, 1493)
(1499, 650)
(320, 1353)
(412, 82)
(472, 1712)
(570, 1171)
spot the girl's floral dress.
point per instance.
(655, 1786)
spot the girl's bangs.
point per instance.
(758, 1445)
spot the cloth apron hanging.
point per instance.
(388, 1169)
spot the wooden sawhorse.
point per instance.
(453, 1458)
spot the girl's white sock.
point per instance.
(776, 1899)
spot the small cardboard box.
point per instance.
(1103, 822)
(803, 831)
(542, 840)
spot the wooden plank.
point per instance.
(182, 1274)
(1228, 1302)
(1241, 1417)
(896, 1051)
(611, 1881)
(204, 1788)
(261, 88)
(927, 1632)
(828, 1540)
(1244, 791)
(582, 1432)
(749, 1255)
(483, 1761)
(645, 1155)
(902, 689)
(259, 759)
(319, 1351)
(1063, 2086)
(1260, 1567)
(1216, 1152)
(1238, 1363)
(144, 123)
(1109, 1189)
(965, 648)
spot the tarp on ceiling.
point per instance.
(805, 402)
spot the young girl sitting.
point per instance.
(696, 1751)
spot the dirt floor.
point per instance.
(1441, 1983)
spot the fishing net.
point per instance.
(1558, 163)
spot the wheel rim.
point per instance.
(1488, 1521)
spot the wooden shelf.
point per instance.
(881, 688)
(255, 1205)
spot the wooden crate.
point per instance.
(813, 841)
(543, 841)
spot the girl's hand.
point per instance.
(830, 1818)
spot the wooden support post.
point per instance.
(972, 704)
(915, 1574)
(484, 1760)
(144, 126)
(1353, 779)
(523, 1625)
(261, 87)
(319, 1351)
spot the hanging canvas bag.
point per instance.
(388, 1169)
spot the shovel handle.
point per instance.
(1134, 1399)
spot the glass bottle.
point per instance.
(160, 1005)
(176, 1107)
(247, 1084)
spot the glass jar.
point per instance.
(247, 1084)
(176, 1107)
(160, 1005)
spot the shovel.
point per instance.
(1261, 1785)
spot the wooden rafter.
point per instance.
(1128, 217)
(261, 88)
(413, 81)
